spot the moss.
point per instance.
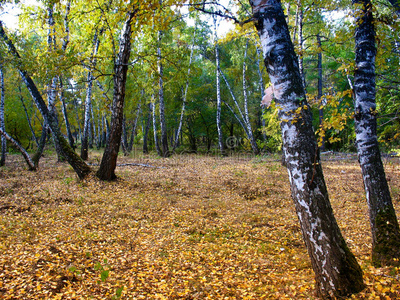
(386, 250)
(350, 277)
(351, 273)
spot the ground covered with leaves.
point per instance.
(189, 227)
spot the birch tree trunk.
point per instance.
(383, 221)
(124, 138)
(337, 272)
(109, 160)
(52, 86)
(2, 121)
(163, 125)
(251, 137)
(133, 134)
(221, 144)
(261, 86)
(156, 143)
(301, 42)
(65, 114)
(80, 167)
(321, 108)
(42, 143)
(88, 101)
(62, 98)
(146, 131)
(184, 96)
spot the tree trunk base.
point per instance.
(386, 251)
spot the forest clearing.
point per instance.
(184, 227)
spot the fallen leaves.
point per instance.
(197, 228)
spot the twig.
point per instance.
(132, 164)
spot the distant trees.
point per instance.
(193, 114)
(80, 167)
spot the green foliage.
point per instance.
(198, 133)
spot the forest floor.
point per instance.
(190, 227)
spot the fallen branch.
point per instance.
(132, 164)
(25, 154)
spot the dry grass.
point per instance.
(190, 228)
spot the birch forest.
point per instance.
(222, 149)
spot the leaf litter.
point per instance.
(194, 227)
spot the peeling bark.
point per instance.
(337, 272)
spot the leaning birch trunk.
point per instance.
(2, 121)
(24, 153)
(219, 129)
(383, 221)
(80, 167)
(52, 86)
(163, 125)
(88, 101)
(109, 160)
(337, 272)
(251, 137)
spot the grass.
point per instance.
(191, 227)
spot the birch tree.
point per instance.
(52, 85)
(2, 121)
(382, 216)
(161, 100)
(88, 99)
(109, 160)
(337, 272)
(80, 167)
(31, 165)
(221, 144)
